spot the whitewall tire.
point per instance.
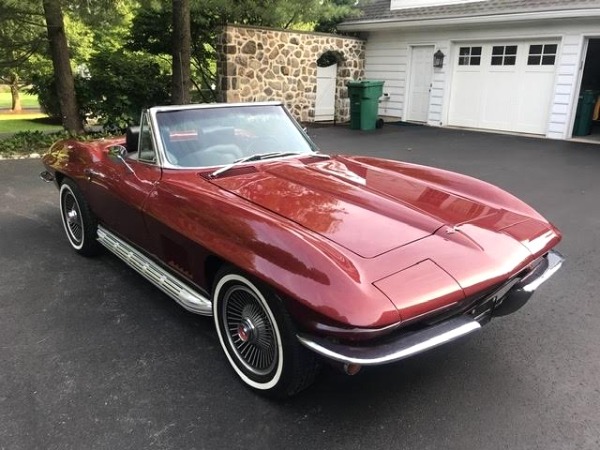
(78, 221)
(258, 336)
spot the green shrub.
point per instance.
(44, 86)
(120, 85)
(25, 143)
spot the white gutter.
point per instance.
(398, 22)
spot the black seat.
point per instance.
(179, 145)
(214, 155)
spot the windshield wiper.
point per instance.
(255, 157)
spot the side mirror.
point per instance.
(132, 138)
(117, 151)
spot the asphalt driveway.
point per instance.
(93, 356)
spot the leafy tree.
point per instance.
(122, 83)
(86, 25)
(59, 50)
(21, 37)
(97, 24)
(339, 11)
(182, 47)
(149, 33)
(121, 50)
(285, 13)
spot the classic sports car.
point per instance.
(299, 256)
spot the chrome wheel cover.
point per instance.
(72, 217)
(249, 331)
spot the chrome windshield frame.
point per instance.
(162, 157)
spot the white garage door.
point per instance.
(503, 86)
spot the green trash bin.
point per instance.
(585, 112)
(364, 103)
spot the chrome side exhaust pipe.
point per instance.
(349, 369)
(352, 369)
(47, 176)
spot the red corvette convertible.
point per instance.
(300, 257)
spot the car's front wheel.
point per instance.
(258, 336)
(79, 222)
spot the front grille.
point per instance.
(479, 305)
(476, 301)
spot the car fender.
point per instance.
(301, 265)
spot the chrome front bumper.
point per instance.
(501, 302)
(522, 291)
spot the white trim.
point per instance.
(574, 100)
(400, 23)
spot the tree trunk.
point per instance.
(14, 92)
(65, 85)
(182, 48)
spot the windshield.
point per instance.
(208, 137)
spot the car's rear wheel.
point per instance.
(258, 336)
(79, 222)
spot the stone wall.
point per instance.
(257, 64)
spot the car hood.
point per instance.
(359, 205)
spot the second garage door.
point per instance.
(503, 86)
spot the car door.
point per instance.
(120, 186)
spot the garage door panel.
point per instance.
(534, 103)
(465, 109)
(511, 95)
(499, 101)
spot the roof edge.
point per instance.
(398, 22)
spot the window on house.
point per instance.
(469, 56)
(542, 54)
(504, 55)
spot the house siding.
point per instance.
(388, 57)
(438, 89)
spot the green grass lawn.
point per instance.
(27, 101)
(13, 123)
